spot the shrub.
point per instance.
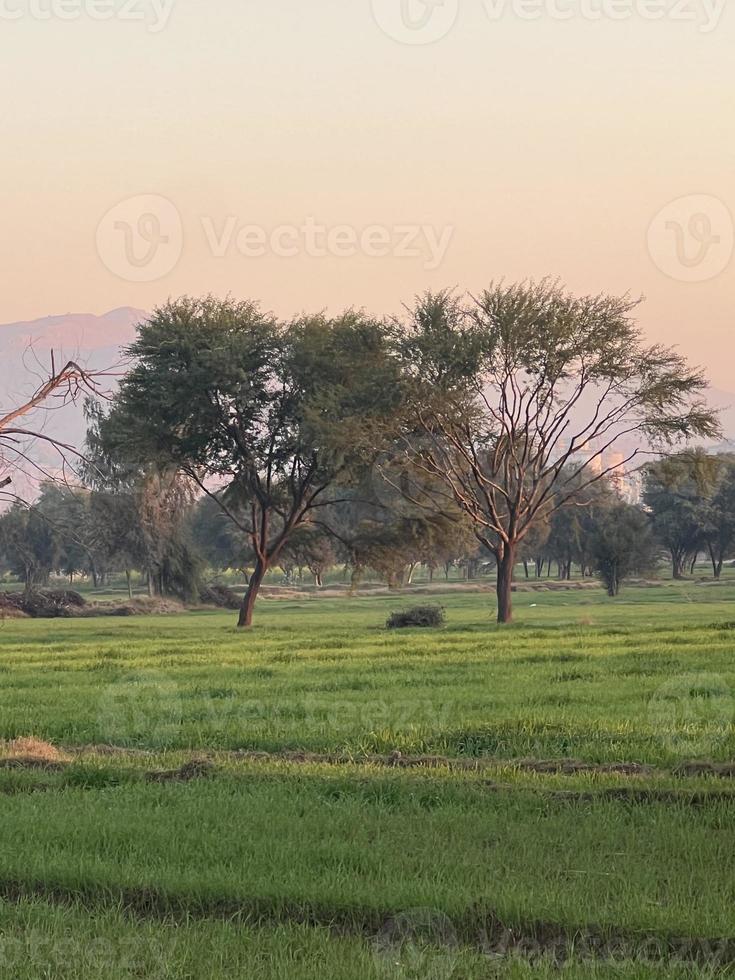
(220, 596)
(423, 616)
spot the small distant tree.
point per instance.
(677, 492)
(67, 512)
(719, 532)
(150, 503)
(30, 545)
(311, 547)
(275, 414)
(622, 545)
(535, 547)
(516, 395)
(120, 537)
(217, 539)
(573, 525)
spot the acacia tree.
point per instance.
(678, 492)
(220, 543)
(720, 529)
(149, 504)
(310, 547)
(276, 414)
(29, 544)
(573, 525)
(622, 544)
(515, 396)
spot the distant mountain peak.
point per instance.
(72, 332)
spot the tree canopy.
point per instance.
(272, 415)
(516, 394)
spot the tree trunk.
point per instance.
(129, 582)
(525, 567)
(248, 603)
(506, 566)
(678, 566)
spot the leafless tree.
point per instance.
(20, 427)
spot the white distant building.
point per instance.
(592, 457)
(626, 481)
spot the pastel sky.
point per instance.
(320, 154)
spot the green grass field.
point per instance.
(324, 798)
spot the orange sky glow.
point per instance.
(356, 152)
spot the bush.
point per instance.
(220, 596)
(423, 616)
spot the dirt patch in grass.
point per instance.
(476, 928)
(32, 753)
(397, 760)
(47, 758)
(641, 797)
(572, 767)
(725, 770)
(194, 769)
(111, 751)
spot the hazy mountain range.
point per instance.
(93, 341)
(96, 342)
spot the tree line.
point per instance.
(472, 429)
(176, 540)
